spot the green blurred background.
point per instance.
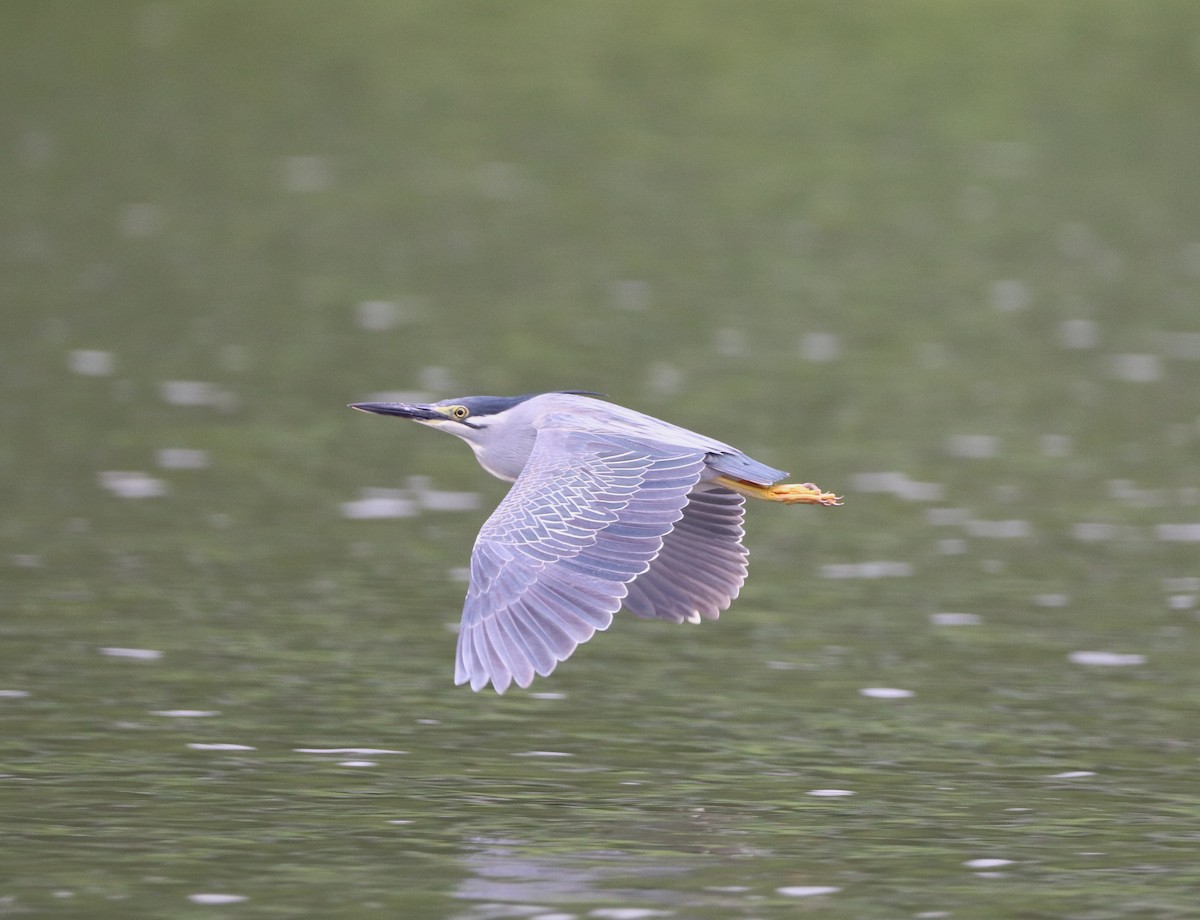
(943, 258)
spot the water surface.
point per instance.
(944, 261)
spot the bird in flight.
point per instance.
(609, 508)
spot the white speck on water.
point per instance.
(664, 378)
(1107, 659)
(216, 899)
(400, 821)
(542, 754)
(13, 694)
(942, 517)
(730, 343)
(821, 347)
(358, 763)
(306, 173)
(629, 294)
(1124, 490)
(1187, 583)
(886, 693)
(1073, 774)
(131, 484)
(914, 491)
(375, 508)
(1010, 295)
(806, 891)
(91, 363)
(380, 503)
(1093, 532)
(1179, 435)
(440, 500)
(185, 713)
(141, 220)
(1183, 346)
(1051, 600)
(181, 458)
(195, 393)
(987, 863)
(1079, 334)
(1000, 530)
(955, 619)
(878, 482)
(348, 750)
(1056, 445)
(881, 569)
(547, 695)
(973, 446)
(377, 315)
(437, 379)
(627, 913)
(1178, 533)
(830, 793)
(219, 746)
(1136, 368)
(142, 654)
(1181, 601)
(898, 484)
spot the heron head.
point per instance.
(459, 416)
(466, 416)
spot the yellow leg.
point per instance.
(789, 493)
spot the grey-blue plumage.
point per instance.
(609, 508)
(588, 516)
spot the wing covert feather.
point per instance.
(702, 565)
(587, 516)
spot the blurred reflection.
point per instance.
(509, 883)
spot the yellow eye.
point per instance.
(459, 412)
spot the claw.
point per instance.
(802, 494)
(790, 493)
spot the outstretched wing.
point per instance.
(586, 516)
(702, 565)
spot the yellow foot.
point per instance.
(789, 493)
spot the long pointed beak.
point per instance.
(403, 410)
